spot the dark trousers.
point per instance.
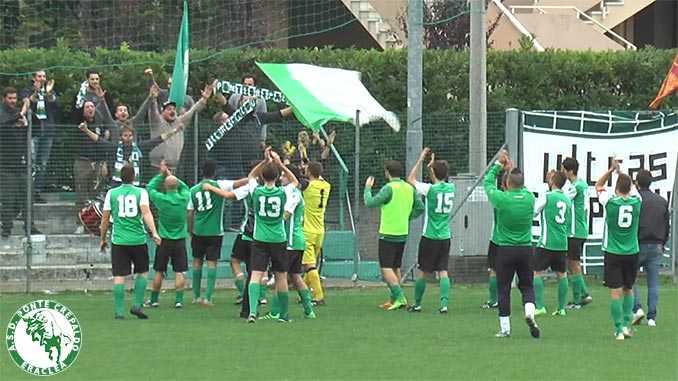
(514, 260)
(12, 197)
(245, 307)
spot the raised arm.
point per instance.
(91, 134)
(383, 197)
(142, 112)
(204, 97)
(412, 178)
(600, 184)
(153, 186)
(290, 176)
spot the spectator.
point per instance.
(163, 95)
(13, 159)
(251, 129)
(44, 103)
(166, 121)
(89, 161)
(653, 232)
(91, 90)
(312, 150)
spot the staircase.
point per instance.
(379, 27)
(570, 24)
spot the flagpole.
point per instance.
(356, 199)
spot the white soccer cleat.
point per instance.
(638, 317)
(627, 333)
(619, 336)
(651, 323)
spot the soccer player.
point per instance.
(128, 205)
(205, 225)
(514, 211)
(620, 246)
(492, 254)
(171, 206)
(575, 189)
(554, 207)
(399, 204)
(296, 243)
(316, 195)
(269, 234)
(434, 247)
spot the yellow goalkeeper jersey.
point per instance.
(315, 199)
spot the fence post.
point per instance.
(512, 134)
(356, 198)
(28, 218)
(196, 136)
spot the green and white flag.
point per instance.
(180, 74)
(319, 95)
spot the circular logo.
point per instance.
(44, 337)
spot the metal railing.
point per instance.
(582, 16)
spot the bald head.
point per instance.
(171, 183)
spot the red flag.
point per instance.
(669, 86)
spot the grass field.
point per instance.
(353, 339)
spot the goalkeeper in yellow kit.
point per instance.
(316, 195)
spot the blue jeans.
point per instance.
(42, 149)
(650, 258)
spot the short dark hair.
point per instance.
(440, 169)
(209, 169)
(623, 183)
(516, 178)
(314, 169)
(558, 179)
(571, 164)
(127, 174)
(35, 72)
(270, 172)
(644, 178)
(248, 75)
(394, 168)
(8, 90)
(295, 170)
(90, 72)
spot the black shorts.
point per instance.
(174, 249)
(294, 261)
(207, 247)
(264, 252)
(544, 258)
(241, 249)
(390, 254)
(492, 256)
(123, 256)
(434, 254)
(620, 270)
(575, 247)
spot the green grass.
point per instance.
(353, 339)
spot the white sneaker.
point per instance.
(79, 230)
(619, 336)
(638, 317)
(651, 323)
(627, 333)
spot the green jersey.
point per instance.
(399, 204)
(209, 208)
(514, 210)
(171, 208)
(438, 202)
(579, 214)
(622, 219)
(124, 203)
(268, 203)
(294, 226)
(554, 221)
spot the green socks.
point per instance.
(240, 285)
(398, 292)
(576, 288)
(445, 286)
(139, 290)
(627, 309)
(179, 296)
(584, 289)
(197, 283)
(562, 293)
(539, 291)
(493, 289)
(119, 299)
(616, 312)
(419, 288)
(253, 290)
(392, 296)
(275, 305)
(154, 296)
(306, 300)
(283, 298)
(211, 281)
(263, 290)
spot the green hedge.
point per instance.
(527, 80)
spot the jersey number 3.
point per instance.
(273, 204)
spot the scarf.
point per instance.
(40, 109)
(80, 97)
(134, 159)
